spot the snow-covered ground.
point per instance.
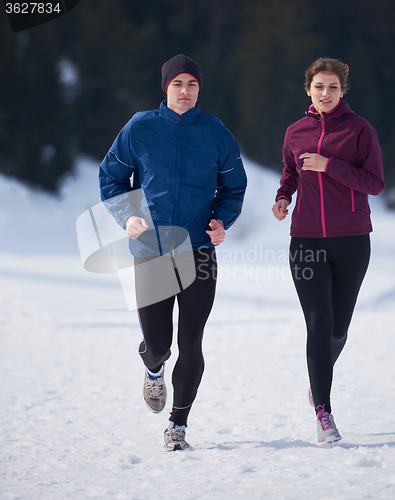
(72, 418)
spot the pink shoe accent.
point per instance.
(326, 427)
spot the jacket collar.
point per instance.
(341, 109)
(188, 117)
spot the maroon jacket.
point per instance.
(334, 202)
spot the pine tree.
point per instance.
(34, 141)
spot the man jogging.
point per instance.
(188, 165)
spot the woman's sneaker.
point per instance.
(175, 437)
(327, 432)
(154, 390)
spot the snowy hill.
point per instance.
(33, 222)
(74, 424)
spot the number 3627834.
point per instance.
(33, 8)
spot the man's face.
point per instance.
(182, 93)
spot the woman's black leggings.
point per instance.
(327, 273)
(156, 320)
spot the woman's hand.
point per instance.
(280, 209)
(217, 233)
(135, 226)
(313, 161)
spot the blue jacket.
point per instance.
(188, 166)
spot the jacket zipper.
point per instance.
(322, 207)
(352, 201)
(176, 173)
(300, 196)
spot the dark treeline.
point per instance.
(68, 86)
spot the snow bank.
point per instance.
(74, 424)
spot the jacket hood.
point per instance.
(341, 109)
(187, 117)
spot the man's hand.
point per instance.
(280, 209)
(217, 233)
(135, 226)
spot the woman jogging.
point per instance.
(332, 159)
(188, 165)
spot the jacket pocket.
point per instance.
(361, 202)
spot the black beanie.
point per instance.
(180, 64)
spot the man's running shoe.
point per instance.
(154, 390)
(327, 432)
(175, 437)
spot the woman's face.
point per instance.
(325, 91)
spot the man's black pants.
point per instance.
(156, 320)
